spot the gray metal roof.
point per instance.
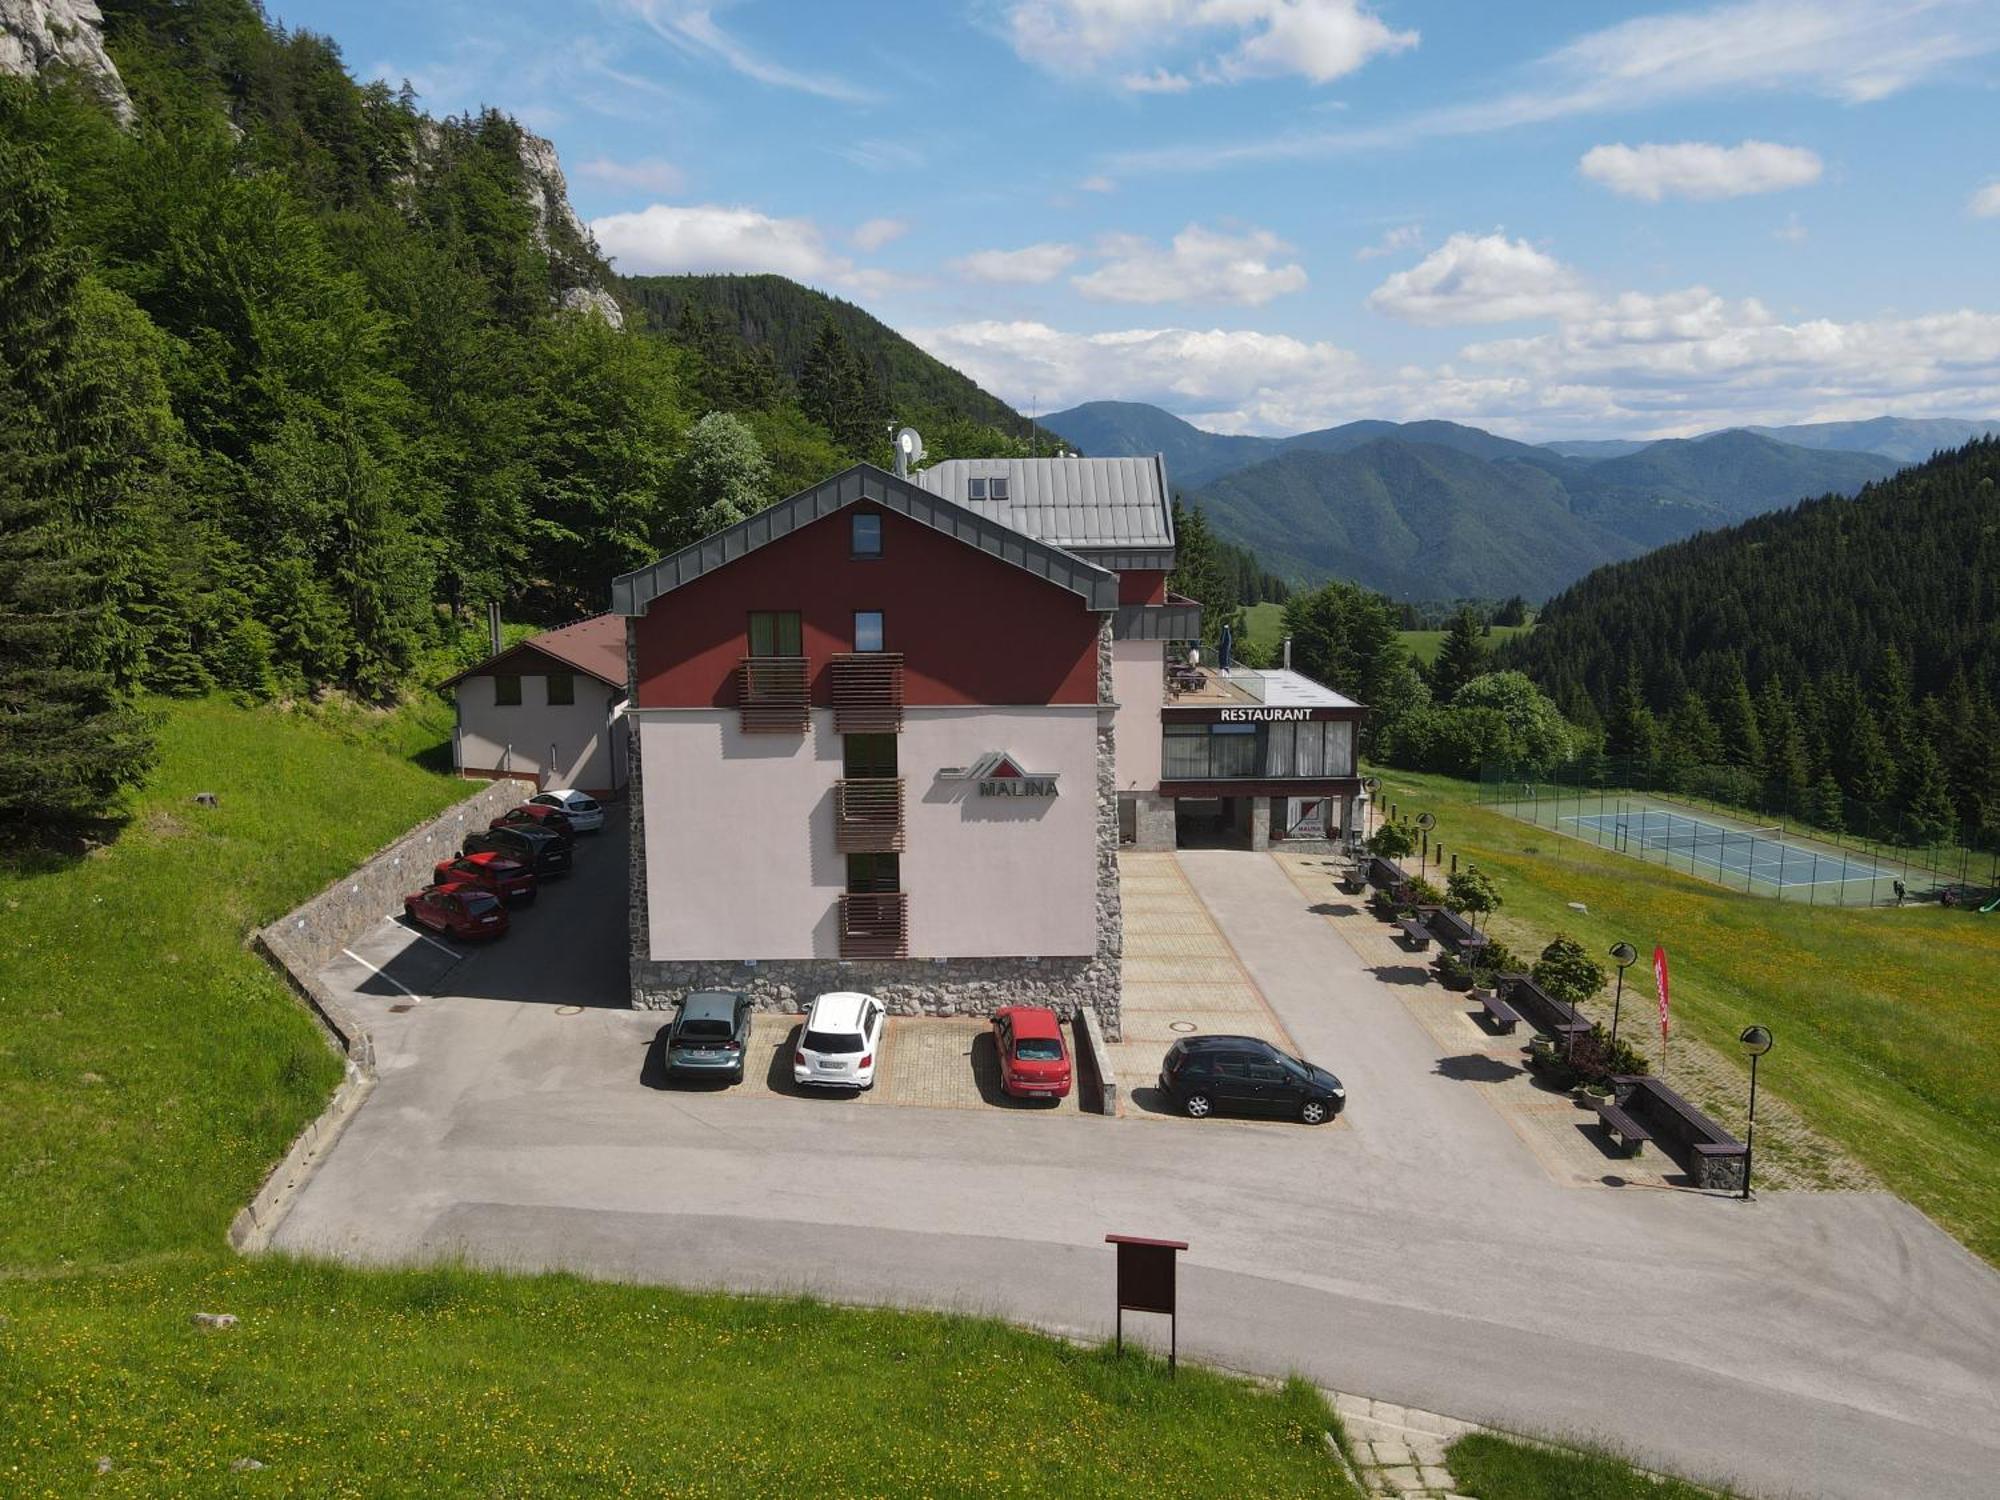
(1098, 587)
(1082, 504)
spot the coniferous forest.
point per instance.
(1841, 657)
(296, 378)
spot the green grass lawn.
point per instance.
(1264, 626)
(1423, 644)
(1887, 1021)
(151, 1070)
(1493, 1468)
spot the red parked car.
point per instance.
(1034, 1063)
(458, 910)
(509, 879)
(538, 815)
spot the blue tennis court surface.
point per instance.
(1755, 853)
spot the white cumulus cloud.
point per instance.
(1985, 204)
(664, 239)
(1481, 278)
(876, 233)
(1200, 265)
(1697, 169)
(1393, 242)
(1031, 265)
(1179, 43)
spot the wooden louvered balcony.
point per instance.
(875, 924)
(867, 692)
(772, 695)
(868, 815)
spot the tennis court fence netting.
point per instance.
(1632, 808)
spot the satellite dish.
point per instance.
(909, 450)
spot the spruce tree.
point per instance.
(1736, 724)
(1693, 732)
(1630, 730)
(1461, 657)
(1928, 815)
(68, 742)
(1204, 573)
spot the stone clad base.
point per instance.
(908, 986)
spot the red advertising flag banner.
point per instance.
(1660, 984)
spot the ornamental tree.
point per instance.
(1472, 891)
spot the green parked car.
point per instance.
(710, 1037)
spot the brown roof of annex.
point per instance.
(595, 647)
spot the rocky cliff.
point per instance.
(578, 268)
(39, 34)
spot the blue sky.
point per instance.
(1552, 220)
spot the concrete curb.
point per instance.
(306, 937)
(1094, 1063)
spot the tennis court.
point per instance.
(1756, 854)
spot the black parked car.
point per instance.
(710, 1036)
(541, 851)
(1208, 1074)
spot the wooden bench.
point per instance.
(1504, 1017)
(1541, 1010)
(1711, 1155)
(1628, 1132)
(1452, 929)
(1386, 874)
(1415, 932)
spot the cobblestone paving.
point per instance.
(1399, 1450)
(1181, 979)
(926, 1063)
(1564, 1136)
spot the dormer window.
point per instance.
(997, 489)
(975, 489)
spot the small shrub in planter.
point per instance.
(1420, 892)
(1501, 959)
(1454, 973)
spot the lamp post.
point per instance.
(1425, 823)
(1624, 955)
(1372, 787)
(1755, 1041)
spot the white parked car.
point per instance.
(840, 1042)
(586, 813)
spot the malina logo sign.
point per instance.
(1000, 775)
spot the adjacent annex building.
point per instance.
(890, 733)
(548, 710)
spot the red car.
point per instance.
(506, 878)
(538, 815)
(458, 910)
(1034, 1063)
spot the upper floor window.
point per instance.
(868, 630)
(506, 690)
(996, 489)
(867, 534)
(975, 489)
(562, 688)
(775, 633)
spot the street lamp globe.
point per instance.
(1624, 955)
(1755, 1040)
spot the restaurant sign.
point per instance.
(1000, 775)
(1248, 715)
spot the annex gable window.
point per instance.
(867, 534)
(775, 633)
(996, 489)
(562, 689)
(975, 489)
(506, 690)
(868, 630)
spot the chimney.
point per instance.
(1288, 653)
(493, 626)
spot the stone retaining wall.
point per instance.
(307, 938)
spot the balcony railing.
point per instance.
(868, 815)
(772, 695)
(875, 925)
(868, 692)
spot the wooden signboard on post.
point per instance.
(1146, 1283)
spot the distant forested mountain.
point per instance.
(1852, 643)
(1436, 510)
(1906, 439)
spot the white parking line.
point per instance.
(380, 975)
(442, 948)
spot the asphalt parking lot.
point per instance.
(1826, 1343)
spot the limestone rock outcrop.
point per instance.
(36, 35)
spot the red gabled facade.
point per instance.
(970, 627)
